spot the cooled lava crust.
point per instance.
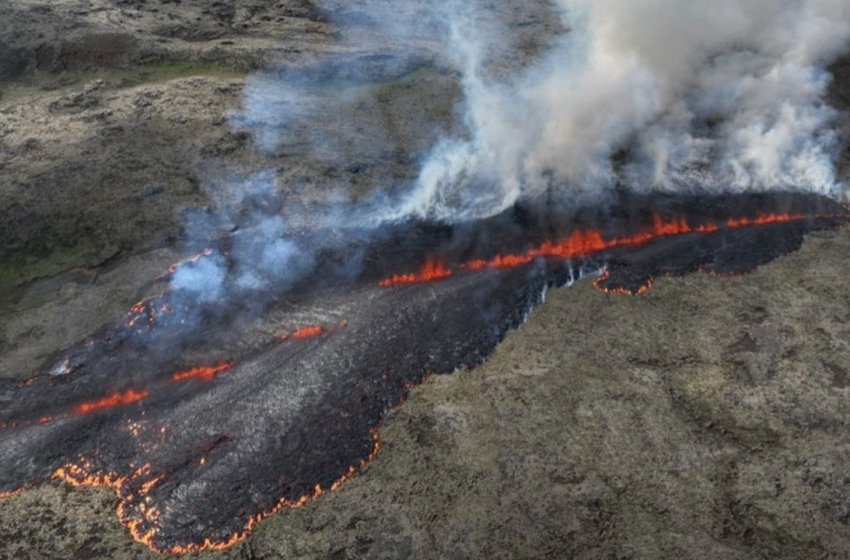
(207, 417)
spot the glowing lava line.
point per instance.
(210, 544)
(144, 529)
(117, 399)
(766, 219)
(313, 331)
(434, 269)
(202, 373)
(583, 244)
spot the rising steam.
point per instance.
(699, 96)
(703, 96)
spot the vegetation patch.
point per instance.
(43, 260)
(33, 83)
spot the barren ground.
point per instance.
(707, 419)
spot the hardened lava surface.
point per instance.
(206, 416)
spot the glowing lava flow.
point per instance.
(117, 399)
(202, 373)
(764, 220)
(143, 525)
(210, 544)
(433, 269)
(597, 284)
(81, 475)
(583, 244)
(146, 312)
(313, 331)
(144, 529)
(134, 486)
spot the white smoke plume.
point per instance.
(674, 95)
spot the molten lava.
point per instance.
(433, 269)
(313, 331)
(210, 544)
(143, 314)
(582, 244)
(382, 359)
(308, 332)
(765, 219)
(202, 373)
(111, 401)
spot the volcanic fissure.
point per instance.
(185, 395)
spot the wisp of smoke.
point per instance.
(704, 95)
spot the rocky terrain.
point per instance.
(706, 419)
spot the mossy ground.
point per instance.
(43, 259)
(35, 83)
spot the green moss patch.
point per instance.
(42, 261)
(38, 82)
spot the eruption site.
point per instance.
(205, 419)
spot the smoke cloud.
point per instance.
(698, 96)
(704, 96)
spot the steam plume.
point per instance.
(704, 95)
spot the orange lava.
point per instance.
(621, 291)
(764, 220)
(207, 373)
(307, 332)
(144, 529)
(81, 475)
(509, 261)
(433, 269)
(313, 331)
(582, 244)
(146, 311)
(144, 525)
(117, 399)
(209, 544)
(585, 243)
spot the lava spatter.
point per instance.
(433, 269)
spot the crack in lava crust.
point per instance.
(204, 430)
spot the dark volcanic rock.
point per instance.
(197, 457)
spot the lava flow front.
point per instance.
(313, 331)
(259, 421)
(114, 400)
(204, 373)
